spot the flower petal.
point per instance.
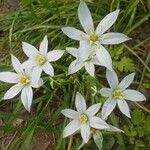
(74, 33)
(29, 50)
(26, 97)
(98, 123)
(107, 22)
(126, 81)
(71, 128)
(80, 103)
(48, 69)
(112, 79)
(13, 91)
(108, 107)
(90, 68)
(85, 132)
(16, 64)
(37, 85)
(133, 95)
(124, 108)
(28, 64)
(44, 46)
(85, 18)
(9, 77)
(104, 57)
(74, 67)
(36, 73)
(106, 92)
(114, 129)
(92, 110)
(113, 38)
(54, 55)
(72, 114)
(72, 51)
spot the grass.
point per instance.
(37, 18)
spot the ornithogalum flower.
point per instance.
(117, 94)
(83, 119)
(96, 38)
(23, 81)
(40, 60)
(97, 136)
(85, 57)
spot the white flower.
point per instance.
(117, 94)
(40, 60)
(83, 119)
(84, 58)
(98, 137)
(23, 82)
(96, 37)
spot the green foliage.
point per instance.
(34, 19)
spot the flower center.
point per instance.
(40, 59)
(83, 118)
(94, 38)
(117, 94)
(23, 79)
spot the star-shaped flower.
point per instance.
(118, 93)
(97, 37)
(40, 60)
(23, 81)
(85, 57)
(83, 119)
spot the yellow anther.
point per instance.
(23, 79)
(94, 38)
(117, 94)
(40, 59)
(83, 118)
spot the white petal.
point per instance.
(113, 38)
(133, 95)
(74, 33)
(72, 114)
(29, 50)
(90, 68)
(113, 129)
(85, 132)
(12, 92)
(126, 81)
(36, 73)
(16, 64)
(98, 123)
(28, 64)
(104, 57)
(108, 107)
(124, 108)
(74, 67)
(37, 85)
(48, 69)
(26, 97)
(107, 22)
(98, 139)
(92, 110)
(106, 92)
(9, 77)
(112, 79)
(71, 128)
(44, 46)
(85, 18)
(54, 55)
(96, 61)
(80, 103)
(72, 51)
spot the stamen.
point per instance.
(83, 118)
(94, 38)
(117, 94)
(40, 59)
(23, 79)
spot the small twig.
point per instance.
(11, 140)
(70, 143)
(142, 107)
